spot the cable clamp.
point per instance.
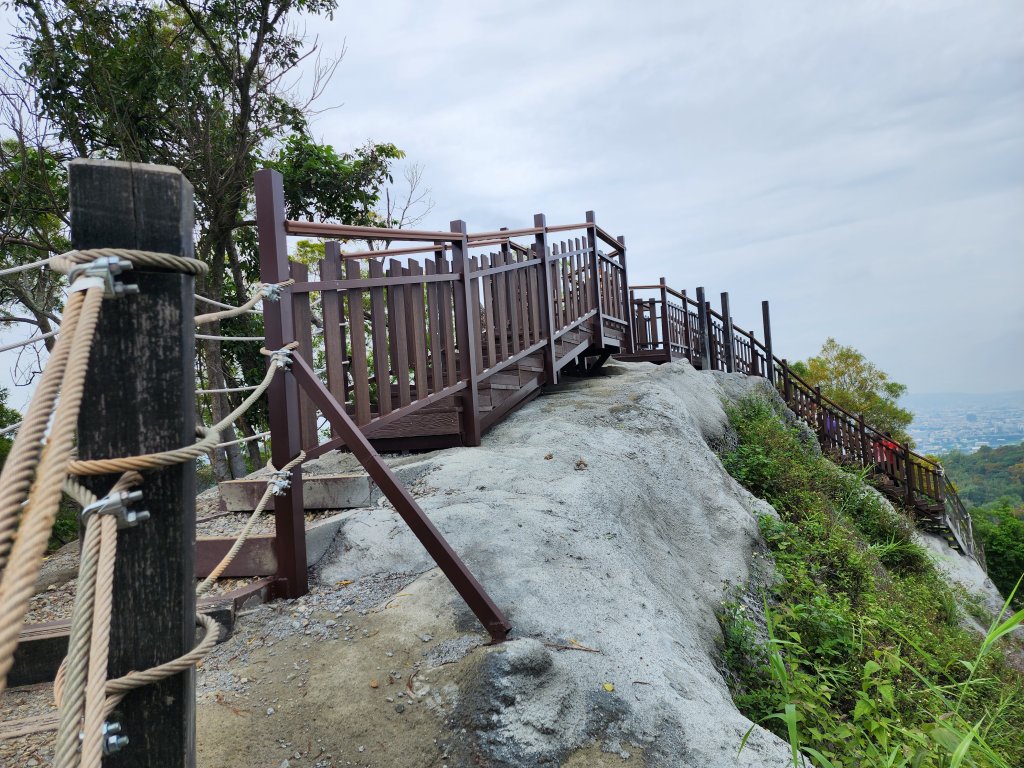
(272, 291)
(282, 358)
(116, 504)
(280, 481)
(102, 272)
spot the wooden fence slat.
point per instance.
(513, 307)
(448, 323)
(434, 324)
(379, 334)
(334, 336)
(501, 298)
(487, 287)
(477, 336)
(418, 318)
(357, 336)
(302, 318)
(398, 335)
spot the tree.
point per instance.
(207, 87)
(858, 385)
(1000, 527)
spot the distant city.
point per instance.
(965, 422)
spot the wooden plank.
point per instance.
(302, 318)
(418, 318)
(398, 335)
(513, 306)
(488, 291)
(379, 336)
(339, 491)
(501, 298)
(357, 335)
(434, 322)
(334, 335)
(474, 308)
(522, 286)
(448, 325)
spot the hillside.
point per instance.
(988, 474)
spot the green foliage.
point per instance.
(865, 661)
(858, 385)
(1000, 526)
(988, 474)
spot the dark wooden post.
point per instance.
(334, 338)
(283, 395)
(688, 349)
(787, 384)
(866, 457)
(540, 247)
(467, 321)
(769, 356)
(666, 339)
(729, 341)
(302, 320)
(704, 328)
(626, 295)
(712, 341)
(595, 271)
(140, 398)
(753, 369)
(908, 477)
(819, 416)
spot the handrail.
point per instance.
(842, 432)
(350, 232)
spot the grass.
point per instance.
(862, 659)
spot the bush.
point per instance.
(867, 662)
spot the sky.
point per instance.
(858, 164)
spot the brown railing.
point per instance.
(670, 325)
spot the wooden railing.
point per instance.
(670, 325)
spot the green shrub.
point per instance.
(867, 663)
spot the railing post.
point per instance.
(704, 328)
(540, 247)
(283, 394)
(787, 384)
(595, 269)
(908, 477)
(755, 368)
(139, 398)
(819, 416)
(666, 340)
(688, 349)
(625, 293)
(729, 341)
(866, 458)
(712, 342)
(467, 321)
(770, 358)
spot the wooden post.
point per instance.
(753, 369)
(819, 416)
(595, 271)
(712, 342)
(908, 478)
(687, 348)
(467, 322)
(770, 358)
(866, 458)
(787, 384)
(630, 331)
(704, 328)
(283, 394)
(727, 338)
(540, 247)
(302, 320)
(140, 398)
(666, 340)
(334, 338)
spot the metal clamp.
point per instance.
(106, 269)
(280, 481)
(117, 505)
(282, 358)
(272, 291)
(113, 741)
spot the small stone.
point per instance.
(374, 684)
(330, 623)
(270, 711)
(362, 749)
(426, 638)
(51, 588)
(284, 764)
(244, 680)
(389, 654)
(399, 708)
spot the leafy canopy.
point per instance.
(858, 385)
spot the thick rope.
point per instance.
(16, 586)
(275, 486)
(18, 470)
(66, 261)
(270, 291)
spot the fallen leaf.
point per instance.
(549, 456)
(608, 687)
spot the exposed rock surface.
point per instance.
(598, 518)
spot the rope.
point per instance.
(66, 261)
(210, 436)
(276, 485)
(242, 440)
(209, 337)
(10, 428)
(211, 302)
(225, 390)
(26, 267)
(270, 291)
(37, 519)
(32, 340)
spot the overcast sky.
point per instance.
(859, 164)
